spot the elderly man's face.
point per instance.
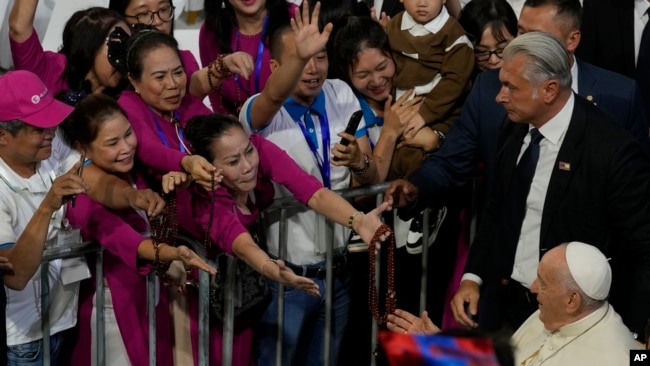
(30, 145)
(552, 294)
(517, 95)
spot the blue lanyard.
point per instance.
(323, 161)
(369, 116)
(258, 61)
(161, 134)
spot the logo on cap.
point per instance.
(35, 99)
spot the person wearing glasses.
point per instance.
(158, 14)
(491, 25)
(81, 67)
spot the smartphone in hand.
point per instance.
(351, 128)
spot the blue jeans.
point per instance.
(304, 325)
(31, 354)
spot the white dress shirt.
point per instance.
(640, 20)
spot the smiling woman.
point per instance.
(81, 66)
(99, 127)
(157, 103)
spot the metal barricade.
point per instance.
(282, 205)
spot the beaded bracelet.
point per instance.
(218, 70)
(157, 265)
(366, 165)
(351, 219)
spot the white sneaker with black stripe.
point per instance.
(415, 234)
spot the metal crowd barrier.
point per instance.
(282, 205)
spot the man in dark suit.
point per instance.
(390, 7)
(473, 138)
(591, 183)
(613, 37)
(608, 35)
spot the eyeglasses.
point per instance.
(165, 14)
(485, 55)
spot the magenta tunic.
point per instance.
(159, 149)
(119, 232)
(48, 66)
(274, 166)
(232, 94)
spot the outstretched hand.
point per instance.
(172, 180)
(405, 323)
(309, 39)
(240, 63)
(200, 170)
(289, 278)
(190, 258)
(369, 224)
(401, 193)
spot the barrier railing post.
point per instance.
(151, 312)
(99, 309)
(424, 275)
(45, 311)
(282, 252)
(329, 281)
(229, 315)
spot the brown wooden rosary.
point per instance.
(373, 298)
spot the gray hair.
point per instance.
(548, 58)
(13, 127)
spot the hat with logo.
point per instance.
(590, 269)
(27, 99)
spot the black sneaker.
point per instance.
(414, 237)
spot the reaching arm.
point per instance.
(21, 19)
(309, 42)
(340, 211)
(116, 193)
(210, 77)
(245, 248)
(27, 251)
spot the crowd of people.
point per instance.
(523, 124)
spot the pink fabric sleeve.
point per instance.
(189, 62)
(150, 151)
(109, 229)
(282, 169)
(226, 225)
(208, 49)
(48, 66)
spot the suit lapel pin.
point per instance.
(590, 99)
(564, 166)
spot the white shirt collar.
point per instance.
(554, 129)
(39, 182)
(574, 75)
(641, 8)
(433, 27)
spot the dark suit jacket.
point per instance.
(603, 199)
(608, 35)
(390, 7)
(473, 137)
